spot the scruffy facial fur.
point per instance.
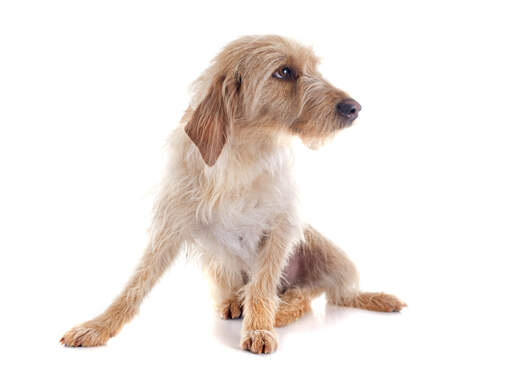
(229, 198)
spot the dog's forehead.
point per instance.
(294, 54)
(301, 57)
(270, 51)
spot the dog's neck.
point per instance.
(259, 135)
(251, 145)
(251, 153)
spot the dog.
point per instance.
(228, 197)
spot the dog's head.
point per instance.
(268, 84)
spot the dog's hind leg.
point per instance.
(226, 285)
(293, 304)
(324, 266)
(381, 302)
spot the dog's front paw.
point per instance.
(259, 341)
(86, 335)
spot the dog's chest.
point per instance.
(237, 224)
(235, 230)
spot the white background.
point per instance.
(418, 192)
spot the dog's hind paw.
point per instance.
(381, 302)
(230, 309)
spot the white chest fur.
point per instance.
(246, 209)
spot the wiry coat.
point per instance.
(229, 196)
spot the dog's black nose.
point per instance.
(348, 109)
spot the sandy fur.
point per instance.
(229, 197)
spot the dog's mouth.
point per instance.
(321, 125)
(342, 123)
(347, 124)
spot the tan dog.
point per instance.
(229, 195)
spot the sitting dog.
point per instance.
(229, 196)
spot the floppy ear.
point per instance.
(209, 124)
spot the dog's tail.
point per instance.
(381, 302)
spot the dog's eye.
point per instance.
(284, 73)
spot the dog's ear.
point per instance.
(208, 128)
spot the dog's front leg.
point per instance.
(260, 295)
(161, 251)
